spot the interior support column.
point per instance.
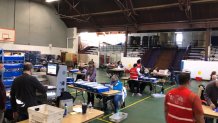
(207, 43)
(125, 47)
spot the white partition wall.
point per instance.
(200, 68)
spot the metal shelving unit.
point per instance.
(13, 65)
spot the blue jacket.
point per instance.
(118, 86)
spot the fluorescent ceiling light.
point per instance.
(51, 0)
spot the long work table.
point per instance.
(104, 95)
(208, 112)
(79, 117)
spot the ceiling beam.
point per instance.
(145, 8)
(127, 13)
(185, 5)
(183, 25)
(80, 15)
(69, 17)
(132, 7)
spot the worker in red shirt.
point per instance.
(133, 82)
(182, 105)
(133, 72)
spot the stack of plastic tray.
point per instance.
(89, 85)
(12, 74)
(100, 89)
(70, 80)
(92, 86)
(79, 84)
(13, 58)
(13, 66)
(8, 83)
(74, 70)
(8, 105)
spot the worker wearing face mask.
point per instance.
(2, 94)
(23, 93)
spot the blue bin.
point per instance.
(13, 58)
(17, 73)
(12, 74)
(8, 74)
(70, 79)
(13, 66)
(8, 105)
(100, 89)
(8, 83)
(74, 70)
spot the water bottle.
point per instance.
(65, 110)
(90, 106)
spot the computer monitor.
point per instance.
(52, 69)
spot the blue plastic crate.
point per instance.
(13, 58)
(17, 73)
(7, 74)
(12, 74)
(70, 83)
(78, 84)
(38, 66)
(74, 70)
(89, 85)
(70, 79)
(13, 66)
(8, 83)
(8, 106)
(100, 89)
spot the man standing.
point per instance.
(182, 105)
(133, 82)
(211, 96)
(2, 94)
(23, 93)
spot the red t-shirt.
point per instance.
(133, 73)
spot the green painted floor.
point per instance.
(144, 109)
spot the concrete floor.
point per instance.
(144, 109)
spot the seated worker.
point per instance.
(119, 64)
(211, 96)
(213, 76)
(23, 93)
(133, 81)
(145, 72)
(116, 85)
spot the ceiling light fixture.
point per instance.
(49, 1)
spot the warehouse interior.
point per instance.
(167, 37)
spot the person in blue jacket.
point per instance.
(116, 85)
